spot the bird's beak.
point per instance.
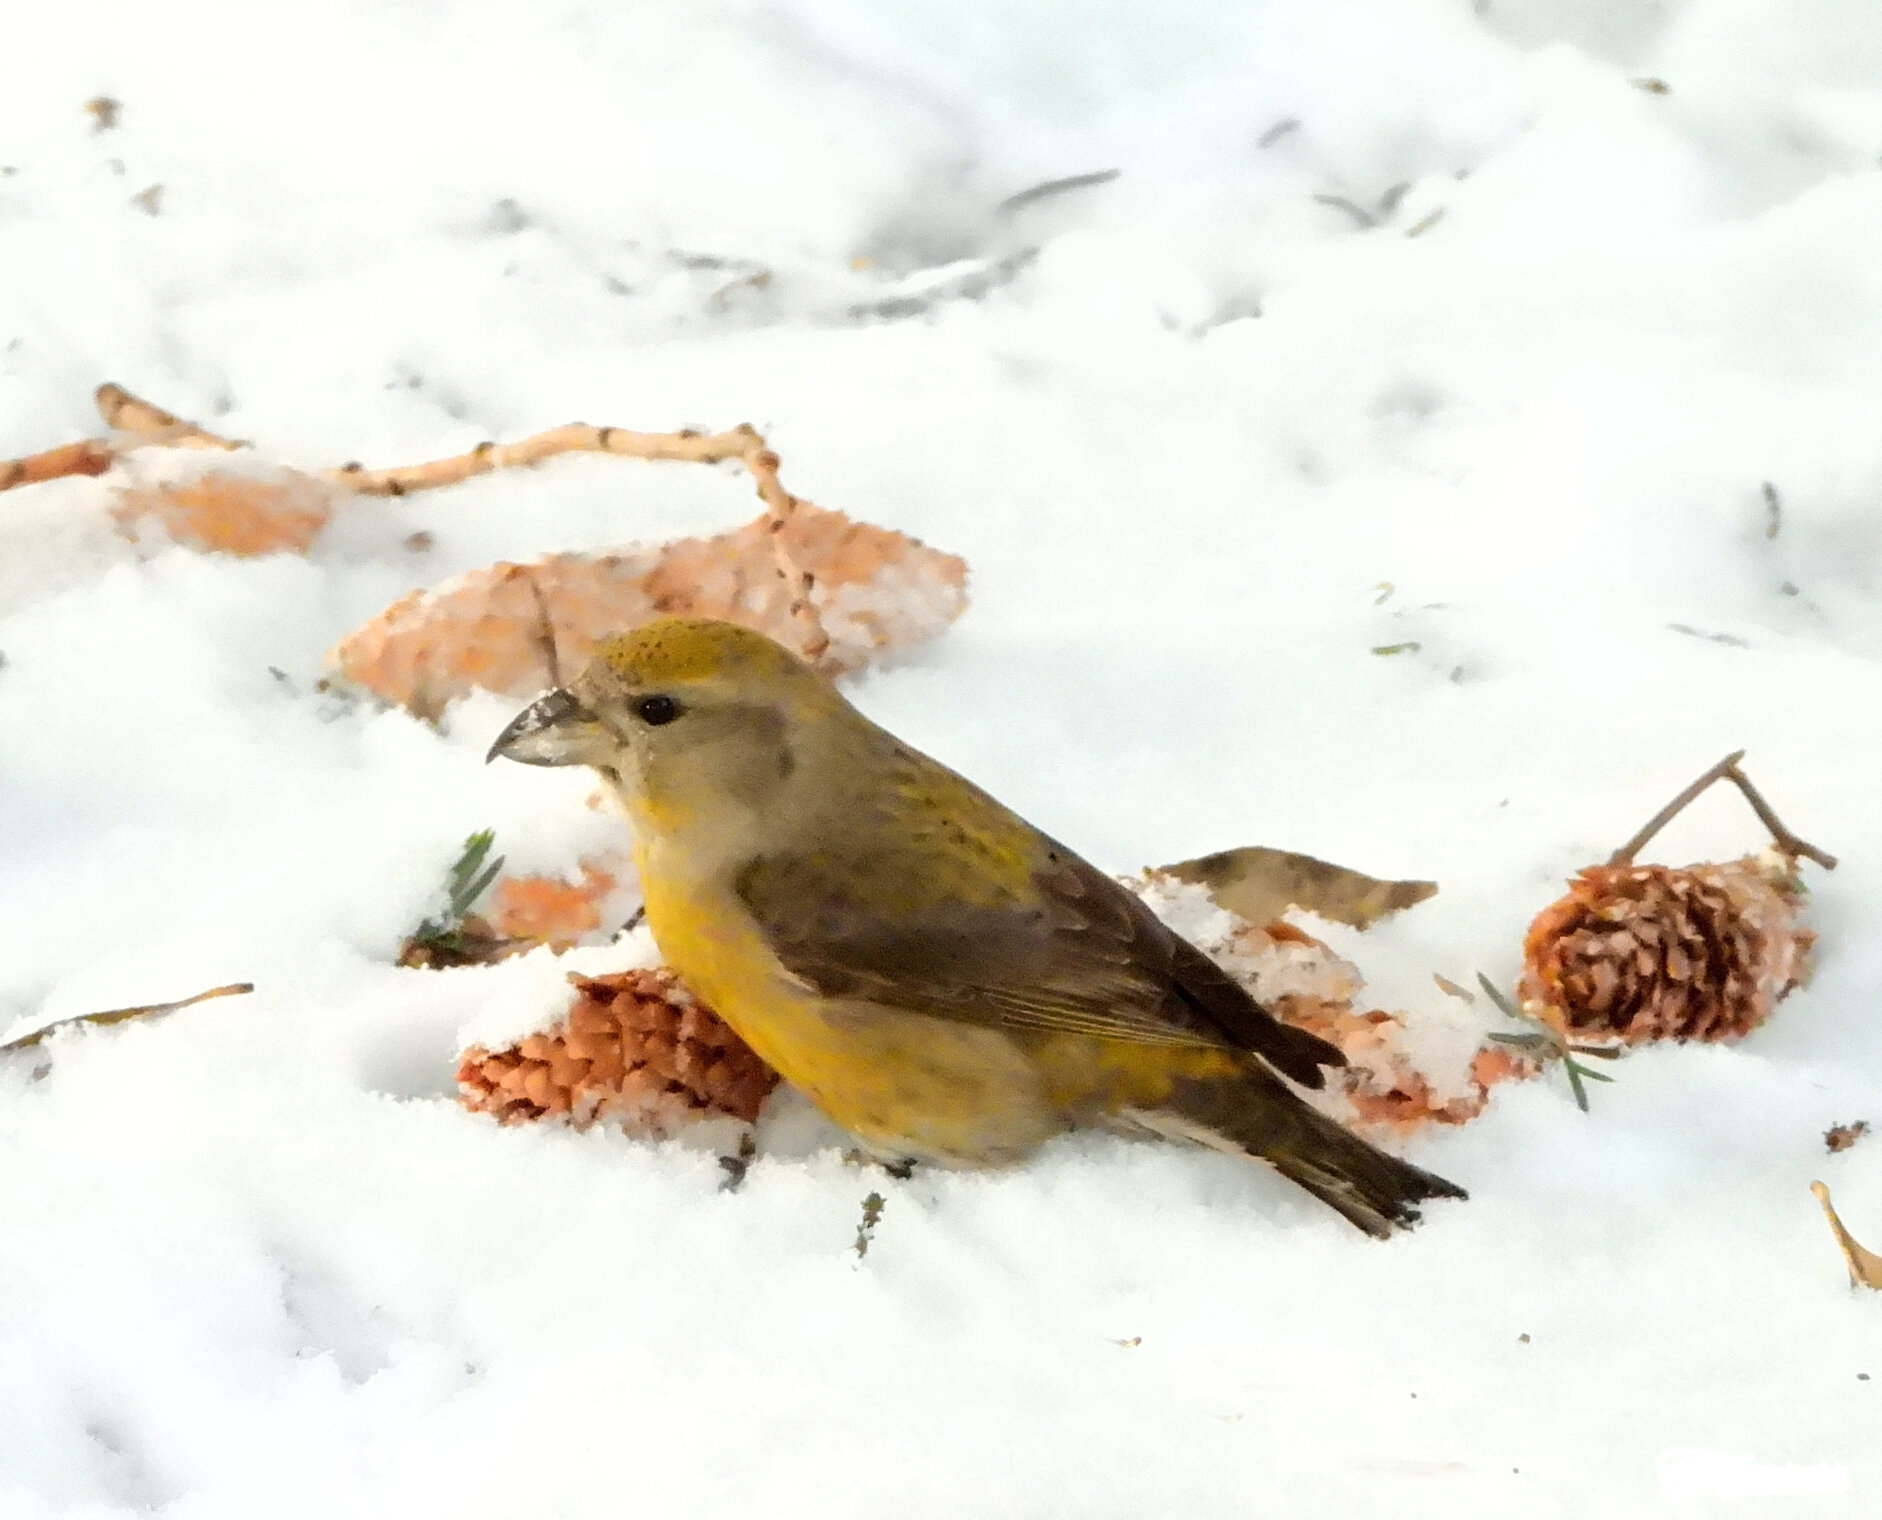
(555, 729)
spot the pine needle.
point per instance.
(469, 878)
(1548, 1043)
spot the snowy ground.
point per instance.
(1182, 424)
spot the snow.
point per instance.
(1207, 443)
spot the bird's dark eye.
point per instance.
(657, 709)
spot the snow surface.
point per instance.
(1185, 425)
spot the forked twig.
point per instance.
(1624, 856)
(140, 423)
(1726, 770)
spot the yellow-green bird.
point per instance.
(940, 978)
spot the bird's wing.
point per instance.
(1079, 955)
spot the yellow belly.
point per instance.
(904, 1083)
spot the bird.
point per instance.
(943, 980)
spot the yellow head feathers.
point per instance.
(671, 650)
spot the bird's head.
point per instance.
(682, 716)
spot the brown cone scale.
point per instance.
(636, 1050)
(1639, 953)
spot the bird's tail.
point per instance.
(1259, 1115)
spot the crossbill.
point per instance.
(943, 980)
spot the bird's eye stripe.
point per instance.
(656, 709)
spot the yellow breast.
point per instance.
(903, 1083)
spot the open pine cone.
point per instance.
(1636, 953)
(635, 1049)
(1391, 1080)
(205, 500)
(1380, 1078)
(1301, 981)
(494, 629)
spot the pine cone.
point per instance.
(875, 590)
(636, 1049)
(208, 503)
(1304, 982)
(1382, 1081)
(1638, 953)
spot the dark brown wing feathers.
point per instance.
(1244, 1022)
(1086, 956)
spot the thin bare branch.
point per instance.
(743, 443)
(781, 507)
(146, 423)
(1726, 770)
(1624, 856)
(150, 423)
(574, 438)
(1782, 837)
(545, 627)
(89, 456)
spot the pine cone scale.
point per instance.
(636, 1048)
(1636, 953)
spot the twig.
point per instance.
(142, 425)
(574, 438)
(545, 626)
(781, 507)
(1624, 856)
(1726, 769)
(1782, 837)
(89, 456)
(146, 423)
(1865, 1267)
(743, 443)
(119, 1015)
(149, 423)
